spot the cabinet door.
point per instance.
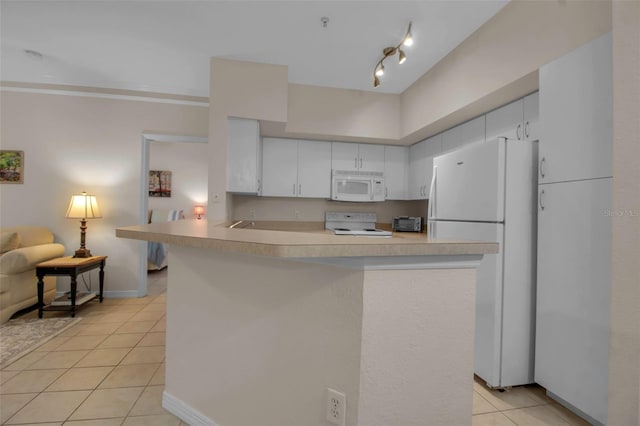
(434, 148)
(506, 121)
(396, 168)
(243, 155)
(417, 170)
(421, 166)
(279, 167)
(576, 96)
(371, 157)
(531, 114)
(344, 156)
(314, 169)
(463, 134)
(573, 293)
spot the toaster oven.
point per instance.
(407, 224)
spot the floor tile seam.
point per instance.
(523, 407)
(6, 422)
(109, 365)
(68, 419)
(134, 404)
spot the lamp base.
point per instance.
(82, 252)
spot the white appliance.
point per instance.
(356, 185)
(487, 191)
(574, 229)
(362, 224)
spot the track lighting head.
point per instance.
(402, 58)
(408, 39)
(378, 71)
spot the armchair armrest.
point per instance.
(25, 258)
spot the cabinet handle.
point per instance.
(518, 131)
(355, 162)
(526, 130)
(360, 162)
(543, 168)
(541, 200)
(294, 189)
(299, 188)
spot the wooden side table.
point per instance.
(71, 266)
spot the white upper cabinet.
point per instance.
(243, 156)
(464, 134)
(314, 169)
(421, 166)
(356, 156)
(293, 168)
(576, 98)
(517, 120)
(531, 117)
(396, 172)
(279, 167)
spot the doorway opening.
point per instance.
(143, 216)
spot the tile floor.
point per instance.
(108, 370)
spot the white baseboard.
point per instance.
(184, 412)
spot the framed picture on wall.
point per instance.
(11, 166)
(159, 183)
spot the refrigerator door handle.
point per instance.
(543, 161)
(431, 229)
(541, 199)
(432, 193)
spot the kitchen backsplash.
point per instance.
(250, 207)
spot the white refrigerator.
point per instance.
(487, 191)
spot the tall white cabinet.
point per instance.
(574, 236)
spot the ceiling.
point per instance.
(165, 46)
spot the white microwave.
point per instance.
(354, 185)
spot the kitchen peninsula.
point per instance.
(261, 323)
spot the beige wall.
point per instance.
(83, 143)
(239, 89)
(502, 53)
(624, 362)
(247, 207)
(338, 114)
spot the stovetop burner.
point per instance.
(362, 224)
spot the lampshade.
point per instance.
(198, 211)
(83, 206)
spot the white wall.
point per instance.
(188, 164)
(83, 143)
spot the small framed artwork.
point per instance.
(11, 166)
(159, 183)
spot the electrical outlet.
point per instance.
(336, 407)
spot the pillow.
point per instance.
(9, 241)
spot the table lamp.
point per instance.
(198, 211)
(83, 206)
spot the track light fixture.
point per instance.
(378, 71)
